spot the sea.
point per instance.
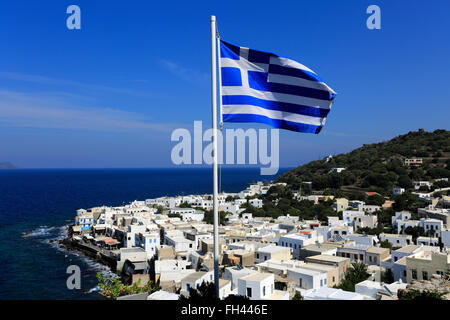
(37, 205)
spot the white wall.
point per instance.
(257, 287)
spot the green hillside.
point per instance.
(378, 167)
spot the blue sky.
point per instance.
(110, 94)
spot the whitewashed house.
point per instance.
(295, 241)
(307, 279)
(397, 240)
(195, 280)
(260, 286)
(235, 273)
(432, 226)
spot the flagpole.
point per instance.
(215, 178)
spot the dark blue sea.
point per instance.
(42, 202)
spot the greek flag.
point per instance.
(263, 87)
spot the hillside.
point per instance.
(378, 167)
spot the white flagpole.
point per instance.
(220, 82)
(214, 127)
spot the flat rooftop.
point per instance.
(194, 276)
(407, 249)
(320, 246)
(272, 249)
(307, 271)
(377, 250)
(257, 276)
(325, 257)
(392, 235)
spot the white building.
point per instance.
(257, 203)
(366, 221)
(368, 240)
(235, 273)
(195, 280)
(372, 288)
(325, 293)
(349, 215)
(307, 279)
(355, 252)
(445, 238)
(338, 170)
(398, 259)
(397, 240)
(260, 286)
(180, 243)
(398, 191)
(370, 208)
(402, 225)
(427, 241)
(418, 184)
(402, 215)
(432, 226)
(295, 241)
(149, 241)
(272, 252)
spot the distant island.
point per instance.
(7, 165)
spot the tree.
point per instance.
(185, 205)
(414, 294)
(236, 299)
(415, 232)
(375, 200)
(209, 217)
(114, 288)
(387, 276)
(386, 244)
(356, 274)
(205, 292)
(405, 182)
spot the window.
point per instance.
(257, 256)
(321, 282)
(395, 259)
(424, 275)
(334, 279)
(375, 260)
(249, 292)
(361, 257)
(404, 273)
(414, 274)
(300, 282)
(370, 258)
(188, 286)
(264, 291)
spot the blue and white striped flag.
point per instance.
(263, 87)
